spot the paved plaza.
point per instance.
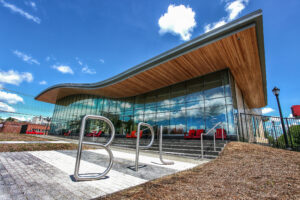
(49, 174)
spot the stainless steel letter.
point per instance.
(160, 148)
(138, 142)
(105, 146)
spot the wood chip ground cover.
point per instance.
(243, 171)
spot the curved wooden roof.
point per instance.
(237, 45)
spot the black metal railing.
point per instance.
(268, 130)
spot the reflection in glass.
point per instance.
(198, 103)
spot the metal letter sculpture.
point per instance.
(105, 146)
(160, 148)
(138, 142)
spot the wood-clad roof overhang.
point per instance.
(238, 45)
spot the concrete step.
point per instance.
(180, 147)
(183, 151)
(170, 142)
(177, 147)
(192, 146)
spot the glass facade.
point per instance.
(198, 103)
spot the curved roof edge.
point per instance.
(254, 18)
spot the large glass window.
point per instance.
(198, 103)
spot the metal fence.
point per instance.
(268, 130)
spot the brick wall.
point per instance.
(11, 127)
(15, 127)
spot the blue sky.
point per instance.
(49, 42)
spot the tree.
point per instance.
(10, 119)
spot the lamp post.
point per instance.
(276, 93)
(48, 119)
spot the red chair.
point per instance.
(219, 133)
(98, 134)
(198, 133)
(91, 134)
(67, 133)
(130, 135)
(133, 134)
(191, 134)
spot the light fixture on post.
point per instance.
(276, 93)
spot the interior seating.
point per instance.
(198, 133)
(91, 134)
(190, 135)
(67, 133)
(193, 134)
(133, 134)
(98, 134)
(219, 133)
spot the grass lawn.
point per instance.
(32, 147)
(38, 147)
(19, 137)
(243, 171)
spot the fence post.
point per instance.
(290, 134)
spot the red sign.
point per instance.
(296, 110)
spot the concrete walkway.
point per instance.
(48, 174)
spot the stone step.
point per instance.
(185, 151)
(133, 140)
(177, 147)
(180, 147)
(198, 144)
(167, 142)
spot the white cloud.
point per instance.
(178, 20)
(10, 98)
(63, 69)
(20, 118)
(79, 61)
(267, 110)
(43, 82)
(31, 4)
(49, 58)
(23, 13)
(25, 57)
(233, 9)
(209, 27)
(85, 68)
(88, 70)
(101, 60)
(125, 105)
(15, 77)
(6, 108)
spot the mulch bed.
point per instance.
(243, 171)
(19, 137)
